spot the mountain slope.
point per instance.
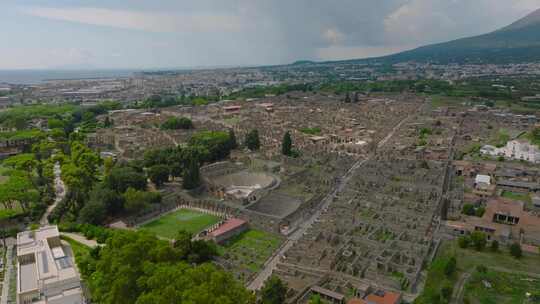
(518, 42)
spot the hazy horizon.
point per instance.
(167, 34)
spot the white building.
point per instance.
(482, 180)
(46, 273)
(515, 149)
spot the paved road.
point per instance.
(271, 264)
(60, 191)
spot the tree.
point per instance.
(347, 98)
(450, 267)
(108, 122)
(108, 164)
(515, 250)
(176, 123)
(93, 212)
(286, 146)
(273, 291)
(136, 267)
(191, 179)
(232, 140)
(464, 241)
(252, 140)
(468, 209)
(446, 292)
(315, 299)
(495, 246)
(217, 144)
(481, 268)
(136, 201)
(112, 200)
(478, 240)
(356, 97)
(122, 178)
(158, 174)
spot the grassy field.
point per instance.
(467, 261)
(168, 225)
(524, 197)
(250, 249)
(495, 287)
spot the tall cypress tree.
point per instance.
(191, 174)
(348, 98)
(232, 139)
(252, 140)
(286, 146)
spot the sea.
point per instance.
(29, 77)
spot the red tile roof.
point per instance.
(356, 301)
(384, 298)
(229, 225)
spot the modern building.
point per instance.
(515, 149)
(46, 271)
(504, 220)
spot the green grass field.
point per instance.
(524, 197)
(499, 265)
(503, 288)
(168, 225)
(250, 249)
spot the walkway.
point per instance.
(272, 262)
(81, 239)
(7, 275)
(60, 191)
(457, 295)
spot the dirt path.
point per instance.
(457, 295)
(60, 191)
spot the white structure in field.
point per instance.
(515, 149)
(46, 274)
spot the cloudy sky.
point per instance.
(190, 33)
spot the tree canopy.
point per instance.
(136, 267)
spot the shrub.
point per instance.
(478, 240)
(515, 250)
(495, 246)
(450, 267)
(464, 241)
(481, 269)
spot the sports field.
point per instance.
(168, 225)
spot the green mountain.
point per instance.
(518, 42)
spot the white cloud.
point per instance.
(333, 36)
(428, 21)
(136, 20)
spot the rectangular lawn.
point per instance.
(168, 225)
(250, 250)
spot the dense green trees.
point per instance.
(233, 144)
(191, 179)
(158, 174)
(123, 177)
(286, 145)
(274, 291)
(215, 142)
(252, 140)
(175, 123)
(136, 201)
(139, 268)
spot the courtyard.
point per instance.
(191, 221)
